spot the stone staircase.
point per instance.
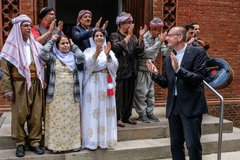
(140, 142)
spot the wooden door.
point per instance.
(141, 11)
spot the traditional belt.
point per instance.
(102, 71)
(16, 76)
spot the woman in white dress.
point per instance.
(99, 128)
(62, 120)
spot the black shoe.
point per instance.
(130, 121)
(153, 118)
(20, 151)
(37, 150)
(144, 119)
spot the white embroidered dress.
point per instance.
(99, 120)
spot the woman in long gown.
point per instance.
(62, 121)
(99, 128)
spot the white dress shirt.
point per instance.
(179, 56)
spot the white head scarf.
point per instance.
(66, 58)
(13, 51)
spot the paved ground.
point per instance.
(224, 156)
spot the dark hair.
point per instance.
(59, 39)
(98, 30)
(44, 11)
(188, 26)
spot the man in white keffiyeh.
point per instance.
(23, 84)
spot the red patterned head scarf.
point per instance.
(14, 52)
(81, 13)
(156, 23)
(124, 17)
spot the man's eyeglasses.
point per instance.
(171, 35)
(26, 25)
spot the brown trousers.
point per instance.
(27, 107)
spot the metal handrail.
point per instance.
(220, 119)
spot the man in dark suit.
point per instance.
(183, 73)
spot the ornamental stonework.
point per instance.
(169, 13)
(10, 9)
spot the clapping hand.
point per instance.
(52, 26)
(151, 67)
(142, 30)
(97, 25)
(98, 49)
(104, 27)
(60, 26)
(162, 37)
(130, 30)
(174, 60)
(54, 37)
(107, 48)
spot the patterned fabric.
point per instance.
(152, 47)
(48, 56)
(124, 17)
(126, 54)
(14, 51)
(156, 23)
(99, 122)
(62, 123)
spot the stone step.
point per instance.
(130, 132)
(145, 149)
(2, 119)
(161, 129)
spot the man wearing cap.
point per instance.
(126, 47)
(144, 95)
(82, 32)
(43, 32)
(23, 84)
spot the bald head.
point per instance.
(176, 37)
(180, 30)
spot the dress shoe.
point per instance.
(20, 151)
(144, 119)
(37, 150)
(120, 123)
(131, 121)
(153, 118)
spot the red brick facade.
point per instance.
(219, 22)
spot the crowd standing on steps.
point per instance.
(82, 88)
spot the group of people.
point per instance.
(82, 88)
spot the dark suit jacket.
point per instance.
(190, 88)
(81, 37)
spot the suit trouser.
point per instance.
(144, 95)
(27, 107)
(187, 129)
(124, 98)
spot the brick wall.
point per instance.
(219, 22)
(231, 112)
